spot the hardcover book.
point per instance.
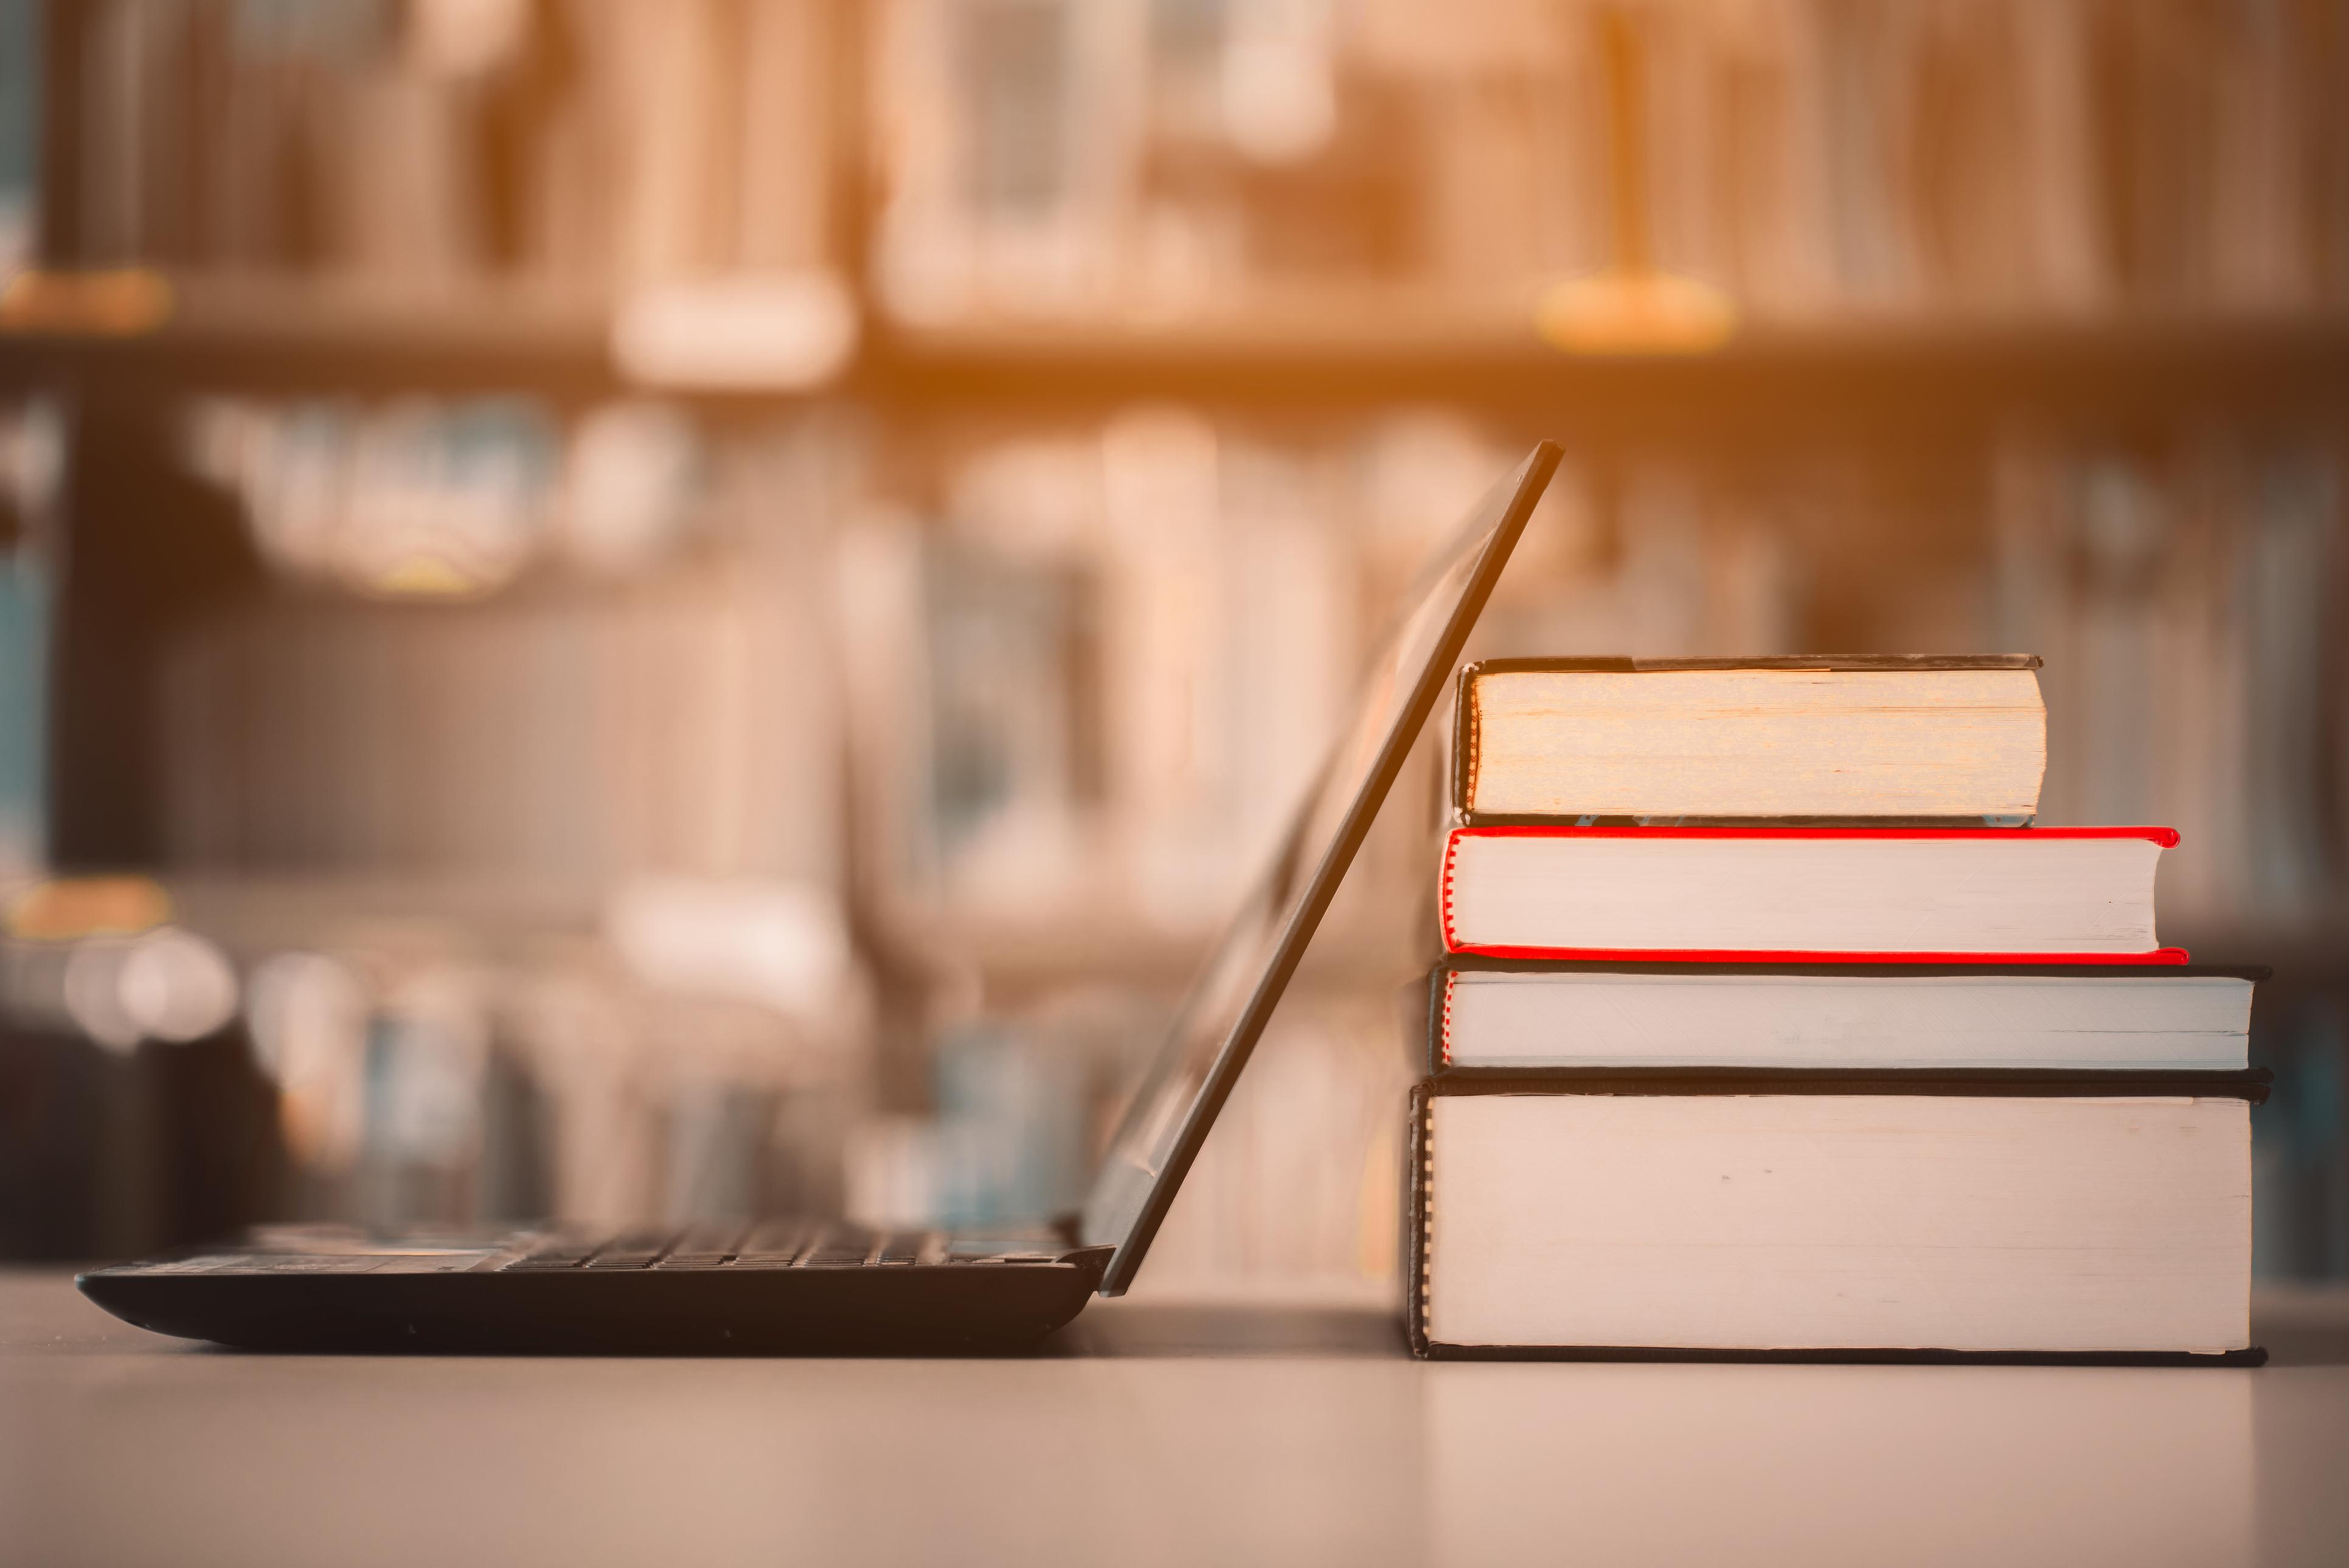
(1952, 742)
(1824, 1215)
(1487, 1015)
(1803, 894)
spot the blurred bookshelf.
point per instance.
(942, 458)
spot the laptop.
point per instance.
(788, 1286)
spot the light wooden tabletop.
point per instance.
(1155, 1433)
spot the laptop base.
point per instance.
(360, 1303)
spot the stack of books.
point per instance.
(1768, 1027)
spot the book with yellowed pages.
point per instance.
(1813, 740)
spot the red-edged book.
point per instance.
(1793, 895)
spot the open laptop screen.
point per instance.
(1233, 997)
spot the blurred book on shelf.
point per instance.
(589, 142)
(20, 129)
(2300, 1162)
(1102, 678)
(654, 695)
(31, 457)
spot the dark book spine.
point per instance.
(1437, 1055)
(1463, 740)
(2250, 1083)
(1416, 1172)
(1475, 963)
(2255, 1356)
(1877, 663)
(1467, 819)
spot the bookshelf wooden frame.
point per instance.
(1951, 376)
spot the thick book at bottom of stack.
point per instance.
(1822, 1214)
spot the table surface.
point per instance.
(1155, 1432)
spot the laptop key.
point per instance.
(617, 1258)
(839, 1246)
(827, 1257)
(553, 1255)
(634, 1251)
(773, 1245)
(703, 1248)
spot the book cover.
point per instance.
(1426, 1010)
(1453, 941)
(2250, 1086)
(1466, 741)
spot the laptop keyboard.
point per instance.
(789, 1244)
(774, 1244)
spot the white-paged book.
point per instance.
(1533, 1017)
(1891, 1221)
(1785, 894)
